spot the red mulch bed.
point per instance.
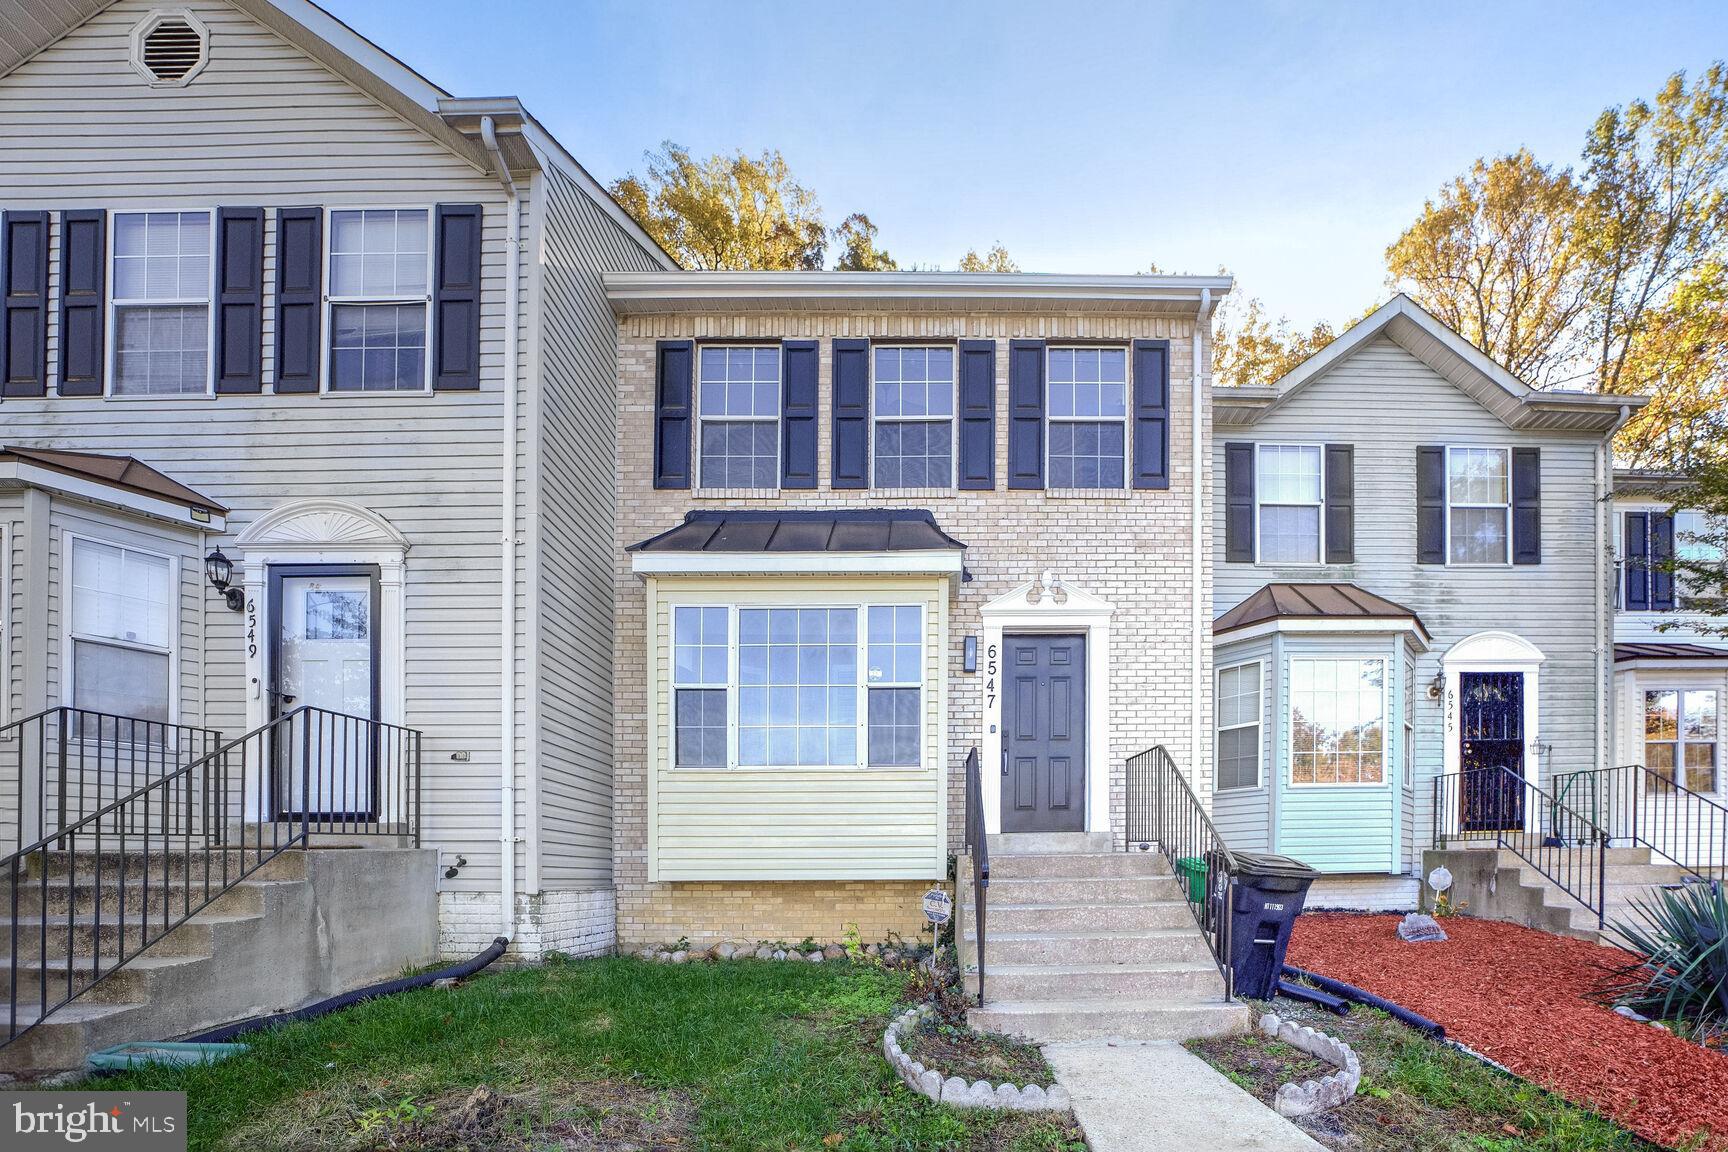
(1523, 998)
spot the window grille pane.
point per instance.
(1477, 475)
(1478, 535)
(120, 681)
(378, 252)
(894, 727)
(1289, 474)
(1337, 721)
(797, 669)
(1290, 535)
(377, 347)
(1238, 757)
(121, 595)
(162, 350)
(700, 735)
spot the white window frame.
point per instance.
(733, 687)
(703, 418)
(1680, 742)
(953, 415)
(1319, 560)
(1682, 600)
(1258, 724)
(114, 305)
(1505, 451)
(68, 693)
(330, 300)
(1127, 417)
(1385, 663)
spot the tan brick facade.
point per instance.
(1129, 548)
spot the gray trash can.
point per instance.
(1268, 893)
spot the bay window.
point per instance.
(1088, 422)
(161, 304)
(1478, 505)
(380, 270)
(913, 415)
(738, 409)
(120, 637)
(1337, 721)
(1681, 737)
(809, 687)
(1289, 503)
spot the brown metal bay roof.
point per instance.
(1624, 652)
(1312, 602)
(115, 472)
(872, 530)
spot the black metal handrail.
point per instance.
(92, 895)
(1498, 807)
(1644, 807)
(1162, 809)
(978, 849)
(60, 764)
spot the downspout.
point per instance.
(1200, 630)
(507, 571)
(1605, 717)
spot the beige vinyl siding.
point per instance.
(797, 824)
(1386, 402)
(263, 125)
(573, 413)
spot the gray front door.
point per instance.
(1044, 734)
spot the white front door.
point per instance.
(326, 662)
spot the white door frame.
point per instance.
(1493, 652)
(323, 531)
(1046, 605)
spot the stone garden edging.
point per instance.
(730, 950)
(955, 1091)
(1313, 1095)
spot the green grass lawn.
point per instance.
(595, 1055)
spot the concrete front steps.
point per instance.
(303, 926)
(1084, 943)
(1498, 884)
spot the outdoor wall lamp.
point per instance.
(219, 570)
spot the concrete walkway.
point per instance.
(1160, 1097)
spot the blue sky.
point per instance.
(1290, 142)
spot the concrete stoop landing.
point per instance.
(1498, 884)
(307, 925)
(1084, 943)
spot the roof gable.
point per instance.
(1404, 322)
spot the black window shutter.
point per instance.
(1026, 414)
(1151, 413)
(456, 299)
(83, 301)
(1526, 505)
(798, 364)
(1340, 504)
(1430, 504)
(239, 300)
(24, 304)
(1661, 555)
(1635, 563)
(299, 298)
(851, 466)
(977, 409)
(1239, 503)
(673, 360)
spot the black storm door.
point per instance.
(1044, 734)
(1491, 750)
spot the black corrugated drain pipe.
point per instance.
(348, 999)
(1351, 992)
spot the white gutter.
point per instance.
(507, 570)
(1200, 625)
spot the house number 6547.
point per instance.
(990, 676)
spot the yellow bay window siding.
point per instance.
(797, 823)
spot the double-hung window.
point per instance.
(738, 406)
(1478, 505)
(1681, 737)
(914, 417)
(810, 687)
(1289, 499)
(380, 269)
(1337, 721)
(1694, 540)
(161, 304)
(1088, 406)
(121, 635)
(1238, 747)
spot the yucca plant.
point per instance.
(1681, 938)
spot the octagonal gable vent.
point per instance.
(169, 48)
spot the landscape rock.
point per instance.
(814, 957)
(680, 956)
(723, 951)
(764, 953)
(834, 952)
(1269, 1024)
(779, 954)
